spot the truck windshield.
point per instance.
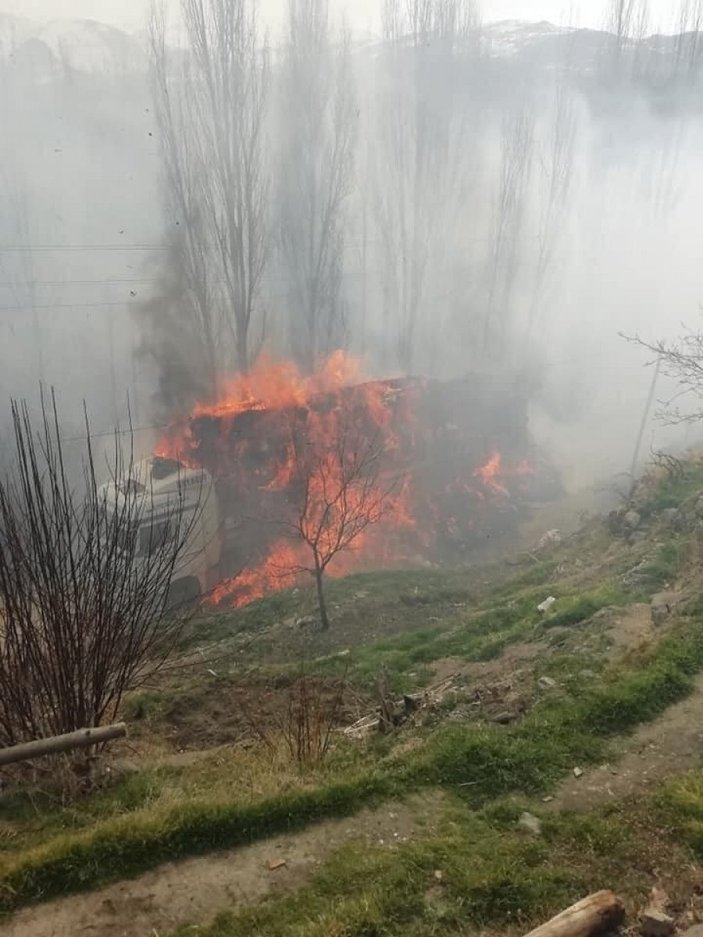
(153, 535)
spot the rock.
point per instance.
(438, 875)
(306, 621)
(587, 674)
(546, 683)
(632, 520)
(504, 718)
(275, 864)
(656, 923)
(658, 898)
(663, 604)
(531, 823)
(578, 772)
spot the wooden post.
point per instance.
(600, 912)
(81, 738)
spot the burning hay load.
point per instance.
(450, 461)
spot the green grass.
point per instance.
(578, 609)
(472, 636)
(125, 846)
(669, 491)
(481, 763)
(40, 815)
(663, 569)
(366, 891)
(410, 588)
(470, 871)
(681, 801)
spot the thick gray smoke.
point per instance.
(451, 196)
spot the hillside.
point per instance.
(535, 757)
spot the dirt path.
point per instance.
(195, 890)
(670, 745)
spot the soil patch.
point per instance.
(196, 890)
(228, 710)
(670, 745)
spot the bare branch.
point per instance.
(342, 492)
(85, 571)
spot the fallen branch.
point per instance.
(393, 712)
(596, 914)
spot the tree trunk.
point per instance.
(596, 914)
(324, 618)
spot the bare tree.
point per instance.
(555, 167)
(688, 42)
(419, 152)
(641, 20)
(619, 22)
(212, 122)
(682, 361)
(85, 573)
(342, 494)
(318, 121)
(643, 60)
(508, 217)
(187, 320)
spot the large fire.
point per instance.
(393, 471)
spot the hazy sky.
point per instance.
(131, 14)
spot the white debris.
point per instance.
(551, 538)
(546, 605)
(531, 823)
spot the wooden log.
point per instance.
(596, 914)
(81, 738)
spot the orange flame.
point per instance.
(490, 473)
(263, 461)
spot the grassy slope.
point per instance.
(477, 869)
(133, 826)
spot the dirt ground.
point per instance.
(670, 745)
(225, 712)
(196, 890)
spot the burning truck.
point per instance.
(456, 453)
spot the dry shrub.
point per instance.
(306, 722)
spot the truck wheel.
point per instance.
(183, 593)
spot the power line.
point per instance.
(41, 248)
(48, 248)
(116, 432)
(123, 302)
(108, 282)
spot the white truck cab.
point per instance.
(163, 483)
